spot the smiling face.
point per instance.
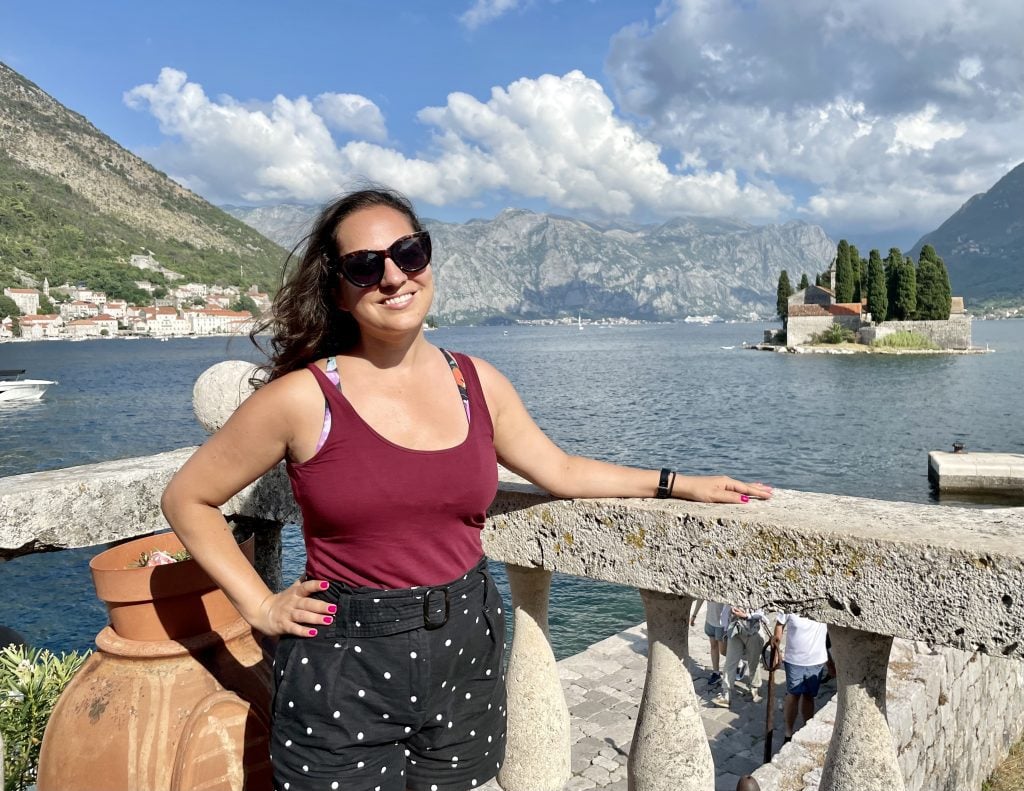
(398, 304)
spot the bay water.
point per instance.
(678, 395)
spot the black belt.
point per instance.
(367, 612)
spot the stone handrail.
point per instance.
(870, 569)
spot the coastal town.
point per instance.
(78, 312)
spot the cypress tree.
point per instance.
(844, 273)
(855, 268)
(782, 294)
(804, 283)
(878, 293)
(928, 296)
(893, 262)
(945, 290)
(906, 291)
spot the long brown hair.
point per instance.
(304, 321)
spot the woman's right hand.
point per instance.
(293, 611)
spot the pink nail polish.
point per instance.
(744, 498)
(328, 619)
(312, 632)
(324, 585)
(332, 608)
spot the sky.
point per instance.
(875, 119)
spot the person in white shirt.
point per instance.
(804, 660)
(716, 635)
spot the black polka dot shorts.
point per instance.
(405, 690)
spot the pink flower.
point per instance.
(159, 558)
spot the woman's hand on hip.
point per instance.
(294, 611)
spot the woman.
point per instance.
(389, 672)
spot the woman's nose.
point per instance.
(393, 276)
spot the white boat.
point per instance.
(14, 388)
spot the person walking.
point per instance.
(388, 671)
(805, 660)
(716, 637)
(744, 642)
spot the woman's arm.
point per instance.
(254, 439)
(523, 448)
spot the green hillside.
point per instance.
(74, 206)
(982, 243)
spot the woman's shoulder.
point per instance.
(286, 390)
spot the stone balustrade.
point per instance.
(872, 570)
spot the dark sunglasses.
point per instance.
(365, 268)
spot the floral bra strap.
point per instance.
(459, 380)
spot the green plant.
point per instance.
(836, 333)
(904, 339)
(160, 558)
(31, 680)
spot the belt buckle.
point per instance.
(428, 623)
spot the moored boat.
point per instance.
(14, 388)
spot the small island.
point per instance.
(872, 305)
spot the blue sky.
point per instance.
(874, 118)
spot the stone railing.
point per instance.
(872, 570)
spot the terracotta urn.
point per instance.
(177, 695)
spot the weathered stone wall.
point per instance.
(952, 334)
(953, 717)
(799, 329)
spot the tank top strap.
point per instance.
(460, 381)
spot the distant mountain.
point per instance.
(983, 242)
(74, 205)
(525, 265)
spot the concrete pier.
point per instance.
(977, 472)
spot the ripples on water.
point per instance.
(652, 395)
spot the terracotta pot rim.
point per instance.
(116, 583)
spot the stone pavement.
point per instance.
(603, 686)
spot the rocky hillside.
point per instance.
(983, 242)
(526, 265)
(70, 197)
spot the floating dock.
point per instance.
(1001, 473)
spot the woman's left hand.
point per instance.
(718, 489)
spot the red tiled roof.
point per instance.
(844, 309)
(807, 310)
(23, 290)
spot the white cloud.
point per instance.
(484, 11)
(921, 131)
(849, 100)
(554, 138)
(352, 113)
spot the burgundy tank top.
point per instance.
(379, 515)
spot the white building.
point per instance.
(82, 294)
(27, 299)
(37, 327)
(209, 321)
(79, 309)
(163, 322)
(117, 308)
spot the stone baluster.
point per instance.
(670, 750)
(537, 757)
(861, 756)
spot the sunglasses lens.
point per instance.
(411, 254)
(364, 269)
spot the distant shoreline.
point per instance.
(859, 348)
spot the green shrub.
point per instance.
(837, 333)
(905, 339)
(31, 680)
